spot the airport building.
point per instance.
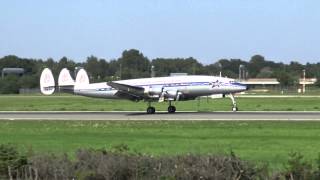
(263, 84)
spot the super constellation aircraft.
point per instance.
(176, 88)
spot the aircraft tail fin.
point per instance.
(47, 83)
(65, 78)
(65, 81)
(82, 78)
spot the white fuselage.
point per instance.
(189, 86)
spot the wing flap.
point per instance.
(127, 91)
(128, 96)
(127, 88)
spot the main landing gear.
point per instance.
(171, 109)
(152, 110)
(234, 103)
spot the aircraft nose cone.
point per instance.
(243, 87)
(240, 87)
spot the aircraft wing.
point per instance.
(128, 91)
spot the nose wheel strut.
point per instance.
(234, 103)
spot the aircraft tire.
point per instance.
(151, 110)
(234, 109)
(171, 109)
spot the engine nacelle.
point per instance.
(164, 94)
(153, 91)
(177, 96)
(172, 94)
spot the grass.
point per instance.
(255, 141)
(78, 103)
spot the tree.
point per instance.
(256, 63)
(9, 85)
(92, 67)
(133, 64)
(285, 79)
(28, 81)
(265, 72)
(212, 69)
(66, 63)
(317, 83)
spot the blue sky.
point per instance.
(281, 30)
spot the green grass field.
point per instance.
(78, 103)
(255, 141)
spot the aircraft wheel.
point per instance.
(171, 109)
(151, 110)
(234, 109)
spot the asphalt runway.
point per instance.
(242, 115)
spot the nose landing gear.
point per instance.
(234, 103)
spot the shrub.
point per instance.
(10, 160)
(118, 163)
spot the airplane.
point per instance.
(156, 89)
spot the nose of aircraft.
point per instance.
(242, 87)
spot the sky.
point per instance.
(208, 30)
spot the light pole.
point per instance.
(220, 68)
(152, 71)
(304, 81)
(120, 71)
(242, 72)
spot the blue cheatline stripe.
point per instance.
(238, 84)
(177, 84)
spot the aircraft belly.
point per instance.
(97, 94)
(223, 90)
(197, 91)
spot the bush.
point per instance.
(10, 160)
(298, 168)
(50, 166)
(119, 164)
(101, 164)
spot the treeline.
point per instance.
(119, 163)
(133, 64)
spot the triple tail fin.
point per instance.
(65, 81)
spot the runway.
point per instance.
(98, 115)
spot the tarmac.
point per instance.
(186, 115)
